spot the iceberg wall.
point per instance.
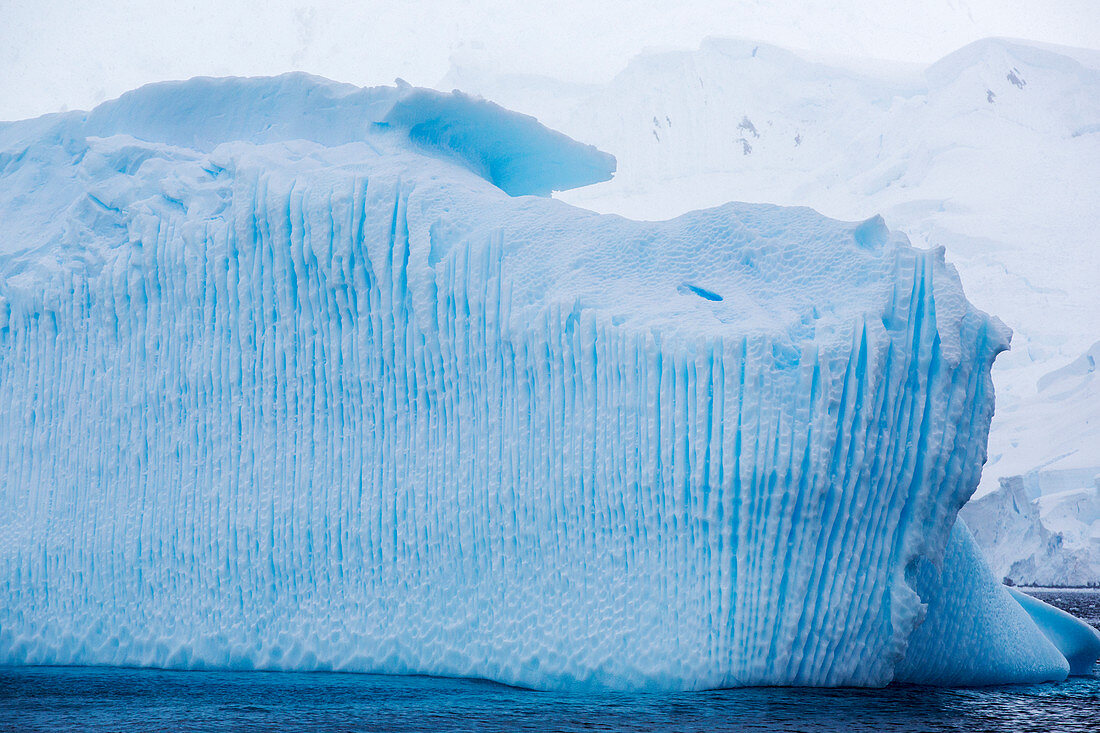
(289, 381)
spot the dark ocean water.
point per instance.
(107, 699)
(110, 699)
(1084, 603)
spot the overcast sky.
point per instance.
(68, 54)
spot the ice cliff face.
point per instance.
(289, 380)
(1020, 542)
(1042, 525)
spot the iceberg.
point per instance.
(301, 376)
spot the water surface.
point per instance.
(111, 699)
(1084, 603)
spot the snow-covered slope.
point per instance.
(992, 152)
(289, 380)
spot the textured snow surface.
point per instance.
(285, 388)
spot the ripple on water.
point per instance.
(108, 699)
(1084, 603)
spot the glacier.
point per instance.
(1042, 527)
(300, 376)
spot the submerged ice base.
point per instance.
(290, 381)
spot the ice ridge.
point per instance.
(510, 150)
(285, 388)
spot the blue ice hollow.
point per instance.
(288, 380)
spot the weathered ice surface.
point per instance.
(288, 380)
(975, 633)
(1080, 643)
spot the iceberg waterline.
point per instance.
(292, 382)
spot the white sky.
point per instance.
(58, 54)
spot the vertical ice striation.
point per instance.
(287, 382)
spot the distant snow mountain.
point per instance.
(993, 152)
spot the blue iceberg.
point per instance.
(297, 375)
